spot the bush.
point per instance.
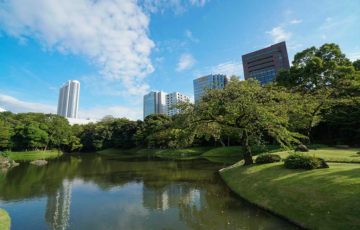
(301, 148)
(267, 158)
(300, 161)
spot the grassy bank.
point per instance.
(317, 199)
(33, 155)
(165, 153)
(331, 154)
(188, 153)
(4, 220)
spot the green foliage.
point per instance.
(356, 65)
(5, 221)
(301, 161)
(267, 158)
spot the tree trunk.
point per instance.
(247, 150)
(222, 143)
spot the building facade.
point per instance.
(68, 104)
(212, 81)
(172, 99)
(265, 64)
(154, 103)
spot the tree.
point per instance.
(250, 110)
(321, 76)
(5, 135)
(356, 65)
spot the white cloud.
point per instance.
(198, 2)
(113, 34)
(296, 21)
(18, 106)
(115, 111)
(177, 6)
(190, 36)
(354, 56)
(278, 34)
(228, 68)
(186, 61)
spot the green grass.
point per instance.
(179, 153)
(317, 199)
(187, 153)
(4, 220)
(230, 151)
(330, 154)
(33, 155)
(237, 151)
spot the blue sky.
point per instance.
(121, 49)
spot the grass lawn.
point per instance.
(186, 153)
(317, 199)
(237, 151)
(4, 220)
(331, 154)
(34, 155)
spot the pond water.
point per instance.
(97, 192)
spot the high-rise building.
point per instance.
(154, 103)
(68, 104)
(212, 81)
(172, 99)
(264, 64)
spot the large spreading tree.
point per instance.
(252, 111)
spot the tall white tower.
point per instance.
(69, 99)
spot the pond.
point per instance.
(98, 192)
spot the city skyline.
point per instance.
(165, 48)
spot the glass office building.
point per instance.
(154, 103)
(212, 81)
(265, 64)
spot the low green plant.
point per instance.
(301, 161)
(267, 158)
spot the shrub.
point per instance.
(267, 158)
(300, 161)
(301, 148)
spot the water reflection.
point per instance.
(58, 207)
(93, 192)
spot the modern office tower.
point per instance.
(264, 64)
(69, 99)
(212, 81)
(154, 103)
(172, 99)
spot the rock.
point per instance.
(39, 162)
(301, 148)
(6, 163)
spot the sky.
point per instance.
(121, 49)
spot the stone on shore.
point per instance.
(39, 162)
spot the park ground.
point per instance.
(315, 199)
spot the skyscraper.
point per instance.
(68, 104)
(154, 103)
(173, 99)
(264, 64)
(212, 81)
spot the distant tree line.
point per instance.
(316, 101)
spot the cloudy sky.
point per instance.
(121, 49)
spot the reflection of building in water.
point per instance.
(58, 207)
(171, 196)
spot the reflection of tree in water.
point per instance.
(58, 207)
